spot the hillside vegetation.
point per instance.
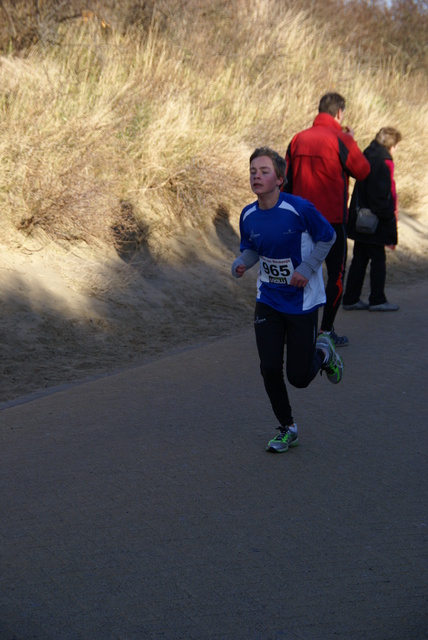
(124, 125)
(125, 133)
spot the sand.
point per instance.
(72, 313)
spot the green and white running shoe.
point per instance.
(334, 363)
(283, 441)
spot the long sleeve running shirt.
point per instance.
(291, 236)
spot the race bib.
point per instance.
(276, 271)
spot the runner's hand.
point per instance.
(297, 280)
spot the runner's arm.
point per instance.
(248, 259)
(316, 257)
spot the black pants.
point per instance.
(335, 263)
(364, 252)
(274, 331)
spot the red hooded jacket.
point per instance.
(319, 162)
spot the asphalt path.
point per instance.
(143, 505)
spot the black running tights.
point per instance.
(275, 331)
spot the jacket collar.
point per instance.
(326, 120)
(376, 150)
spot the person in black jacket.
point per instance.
(377, 193)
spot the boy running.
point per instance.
(290, 239)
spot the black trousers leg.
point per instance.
(275, 330)
(357, 273)
(377, 273)
(335, 263)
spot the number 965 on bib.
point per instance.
(276, 271)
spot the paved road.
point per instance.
(143, 505)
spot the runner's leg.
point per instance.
(303, 359)
(270, 329)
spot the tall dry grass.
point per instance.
(127, 135)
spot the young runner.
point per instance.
(289, 239)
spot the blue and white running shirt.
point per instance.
(283, 237)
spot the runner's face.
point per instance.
(263, 179)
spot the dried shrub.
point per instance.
(129, 140)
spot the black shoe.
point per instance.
(338, 341)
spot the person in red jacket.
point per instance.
(320, 161)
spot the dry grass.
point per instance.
(127, 135)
